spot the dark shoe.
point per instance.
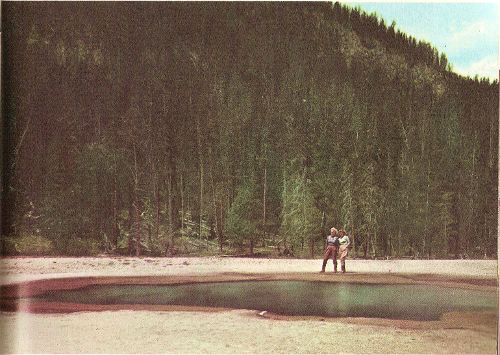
(323, 267)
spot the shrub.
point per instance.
(75, 246)
(27, 244)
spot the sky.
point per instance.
(467, 32)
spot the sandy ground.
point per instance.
(231, 331)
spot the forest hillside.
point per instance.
(196, 128)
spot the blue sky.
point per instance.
(467, 32)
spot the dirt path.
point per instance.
(242, 331)
(20, 269)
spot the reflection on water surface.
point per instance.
(418, 302)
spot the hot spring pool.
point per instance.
(293, 298)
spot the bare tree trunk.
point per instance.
(182, 203)
(115, 209)
(323, 224)
(137, 229)
(115, 219)
(137, 222)
(218, 224)
(170, 209)
(491, 150)
(157, 222)
(20, 143)
(130, 222)
(200, 159)
(264, 203)
(217, 212)
(373, 238)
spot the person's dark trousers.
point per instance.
(331, 251)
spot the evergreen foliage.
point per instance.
(175, 127)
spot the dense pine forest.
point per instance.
(243, 128)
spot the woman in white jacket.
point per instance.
(345, 244)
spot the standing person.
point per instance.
(345, 245)
(332, 245)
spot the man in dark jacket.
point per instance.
(332, 247)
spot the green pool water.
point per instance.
(417, 302)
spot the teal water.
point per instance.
(418, 302)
